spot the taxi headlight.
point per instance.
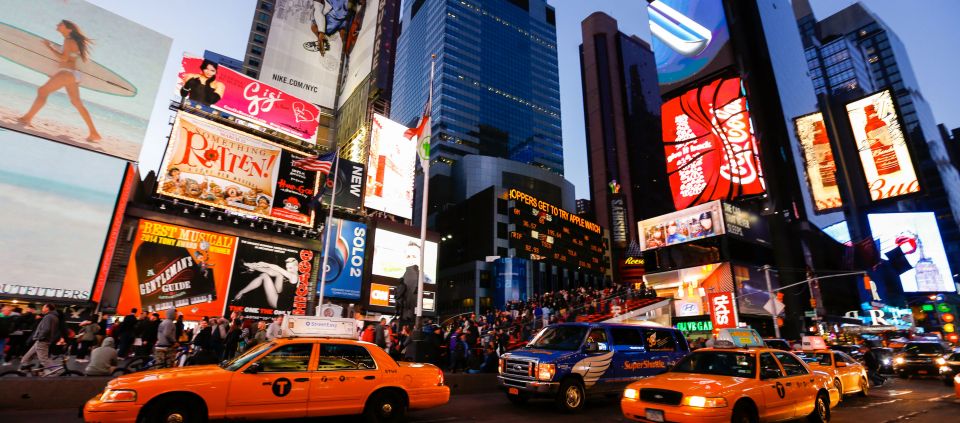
(941, 361)
(545, 371)
(631, 393)
(898, 360)
(944, 369)
(704, 402)
(118, 395)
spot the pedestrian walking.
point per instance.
(87, 338)
(872, 363)
(46, 333)
(125, 333)
(165, 349)
(275, 328)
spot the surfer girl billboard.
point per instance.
(78, 74)
(210, 164)
(205, 83)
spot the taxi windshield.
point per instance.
(240, 360)
(565, 338)
(824, 359)
(721, 363)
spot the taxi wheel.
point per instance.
(744, 413)
(839, 386)
(385, 407)
(172, 410)
(821, 409)
(571, 396)
(864, 387)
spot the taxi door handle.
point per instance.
(267, 383)
(369, 377)
(788, 383)
(301, 379)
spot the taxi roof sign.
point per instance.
(319, 327)
(740, 337)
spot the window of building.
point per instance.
(260, 28)
(256, 51)
(265, 5)
(254, 62)
(259, 39)
(252, 73)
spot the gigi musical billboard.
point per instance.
(886, 161)
(211, 164)
(709, 144)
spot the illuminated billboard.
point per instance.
(177, 266)
(394, 254)
(818, 161)
(269, 280)
(886, 160)
(348, 240)
(206, 83)
(709, 145)
(360, 61)
(58, 202)
(917, 236)
(214, 165)
(689, 39)
(102, 79)
(544, 232)
(390, 168)
(698, 222)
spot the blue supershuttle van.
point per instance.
(570, 361)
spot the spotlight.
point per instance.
(202, 214)
(251, 224)
(175, 201)
(186, 210)
(236, 221)
(278, 229)
(163, 206)
(219, 218)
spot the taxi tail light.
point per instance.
(439, 377)
(631, 393)
(545, 372)
(956, 379)
(704, 402)
(941, 361)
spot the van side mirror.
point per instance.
(591, 346)
(253, 369)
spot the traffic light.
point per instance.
(947, 314)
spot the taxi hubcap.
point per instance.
(175, 418)
(573, 396)
(821, 410)
(386, 408)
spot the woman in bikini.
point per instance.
(271, 279)
(76, 46)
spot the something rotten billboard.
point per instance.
(390, 168)
(689, 38)
(818, 161)
(886, 161)
(709, 144)
(270, 280)
(103, 70)
(345, 261)
(211, 164)
(208, 84)
(176, 266)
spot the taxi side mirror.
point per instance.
(841, 364)
(253, 369)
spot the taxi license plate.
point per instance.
(513, 391)
(923, 372)
(654, 415)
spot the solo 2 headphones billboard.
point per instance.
(347, 241)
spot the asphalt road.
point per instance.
(897, 401)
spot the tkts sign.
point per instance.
(722, 313)
(709, 144)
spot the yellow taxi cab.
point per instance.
(849, 376)
(296, 376)
(738, 380)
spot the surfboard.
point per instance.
(28, 50)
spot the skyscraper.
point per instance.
(496, 89)
(621, 102)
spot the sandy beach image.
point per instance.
(56, 129)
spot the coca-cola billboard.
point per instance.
(709, 144)
(205, 83)
(882, 146)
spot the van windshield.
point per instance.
(565, 338)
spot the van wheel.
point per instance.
(571, 398)
(385, 407)
(519, 399)
(821, 409)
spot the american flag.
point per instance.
(321, 163)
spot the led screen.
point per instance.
(695, 223)
(886, 161)
(690, 39)
(917, 236)
(819, 163)
(394, 253)
(390, 169)
(709, 144)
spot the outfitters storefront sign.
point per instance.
(709, 145)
